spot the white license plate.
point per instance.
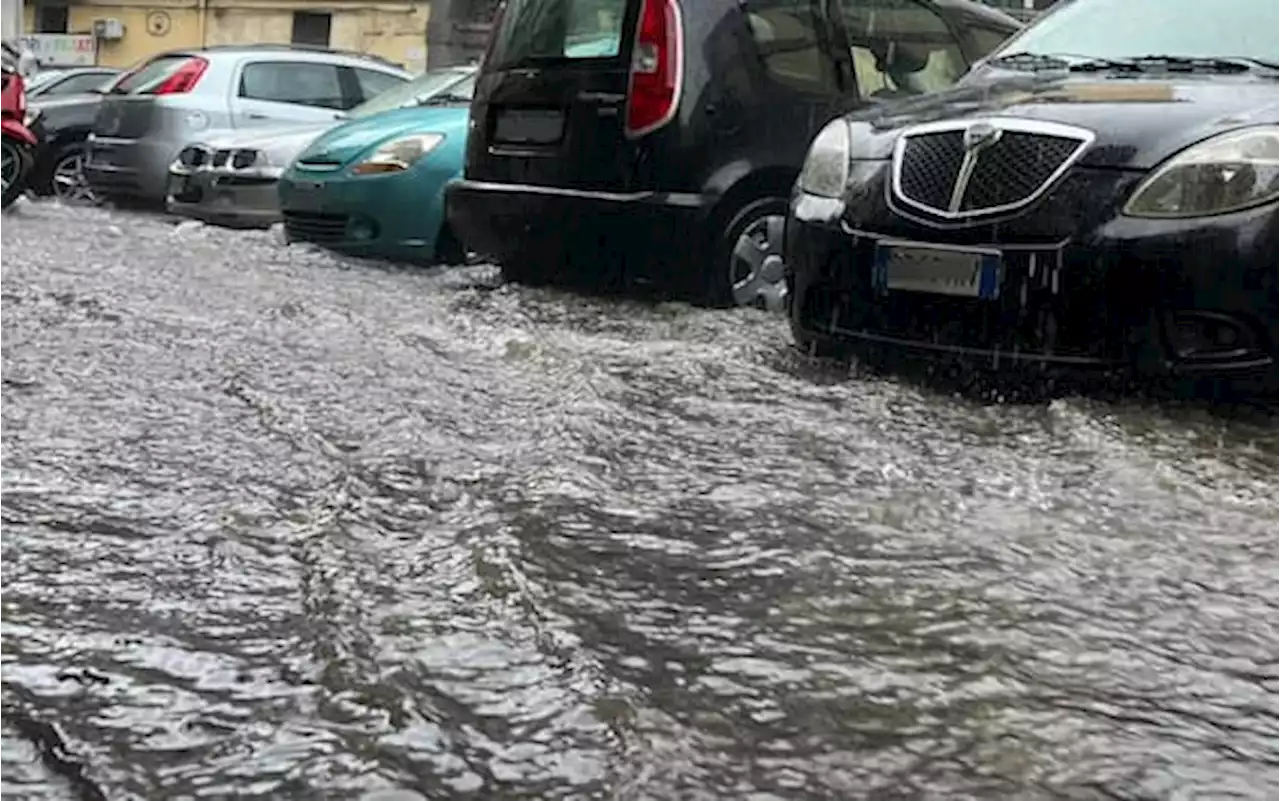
(940, 271)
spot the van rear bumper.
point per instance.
(651, 236)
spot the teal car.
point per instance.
(374, 186)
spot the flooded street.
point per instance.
(280, 526)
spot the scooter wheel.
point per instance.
(14, 168)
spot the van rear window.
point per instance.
(555, 30)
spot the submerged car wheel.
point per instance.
(11, 169)
(66, 180)
(748, 270)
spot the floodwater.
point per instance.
(280, 526)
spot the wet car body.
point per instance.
(152, 112)
(1066, 280)
(230, 178)
(63, 123)
(562, 184)
(344, 191)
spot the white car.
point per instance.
(229, 177)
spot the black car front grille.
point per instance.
(322, 229)
(1004, 174)
(1014, 169)
(930, 166)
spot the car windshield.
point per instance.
(534, 31)
(1127, 29)
(452, 83)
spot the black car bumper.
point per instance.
(581, 234)
(1182, 298)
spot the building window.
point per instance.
(51, 19)
(311, 28)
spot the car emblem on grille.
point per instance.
(980, 135)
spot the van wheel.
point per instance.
(747, 268)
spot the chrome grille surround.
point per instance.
(936, 164)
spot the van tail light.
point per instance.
(656, 68)
(184, 79)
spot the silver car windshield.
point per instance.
(1128, 29)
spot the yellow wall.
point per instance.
(395, 31)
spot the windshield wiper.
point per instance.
(443, 99)
(1160, 63)
(1063, 61)
(1206, 63)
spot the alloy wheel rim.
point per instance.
(756, 267)
(68, 179)
(8, 166)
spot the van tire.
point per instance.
(758, 222)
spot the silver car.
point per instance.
(229, 177)
(154, 110)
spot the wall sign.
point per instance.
(62, 49)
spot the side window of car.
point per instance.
(301, 83)
(76, 84)
(373, 83)
(793, 42)
(900, 47)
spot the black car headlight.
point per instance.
(826, 168)
(1229, 172)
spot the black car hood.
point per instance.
(1139, 121)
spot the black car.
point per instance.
(656, 141)
(1099, 195)
(62, 124)
(59, 81)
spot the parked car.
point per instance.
(153, 111)
(668, 157)
(229, 177)
(60, 81)
(63, 123)
(374, 186)
(1101, 193)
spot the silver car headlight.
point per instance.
(399, 155)
(1229, 172)
(826, 168)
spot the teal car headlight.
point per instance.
(1229, 172)
(398, 155)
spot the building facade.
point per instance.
(129, 31)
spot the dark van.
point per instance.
(656, 141)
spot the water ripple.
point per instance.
(282, 525)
